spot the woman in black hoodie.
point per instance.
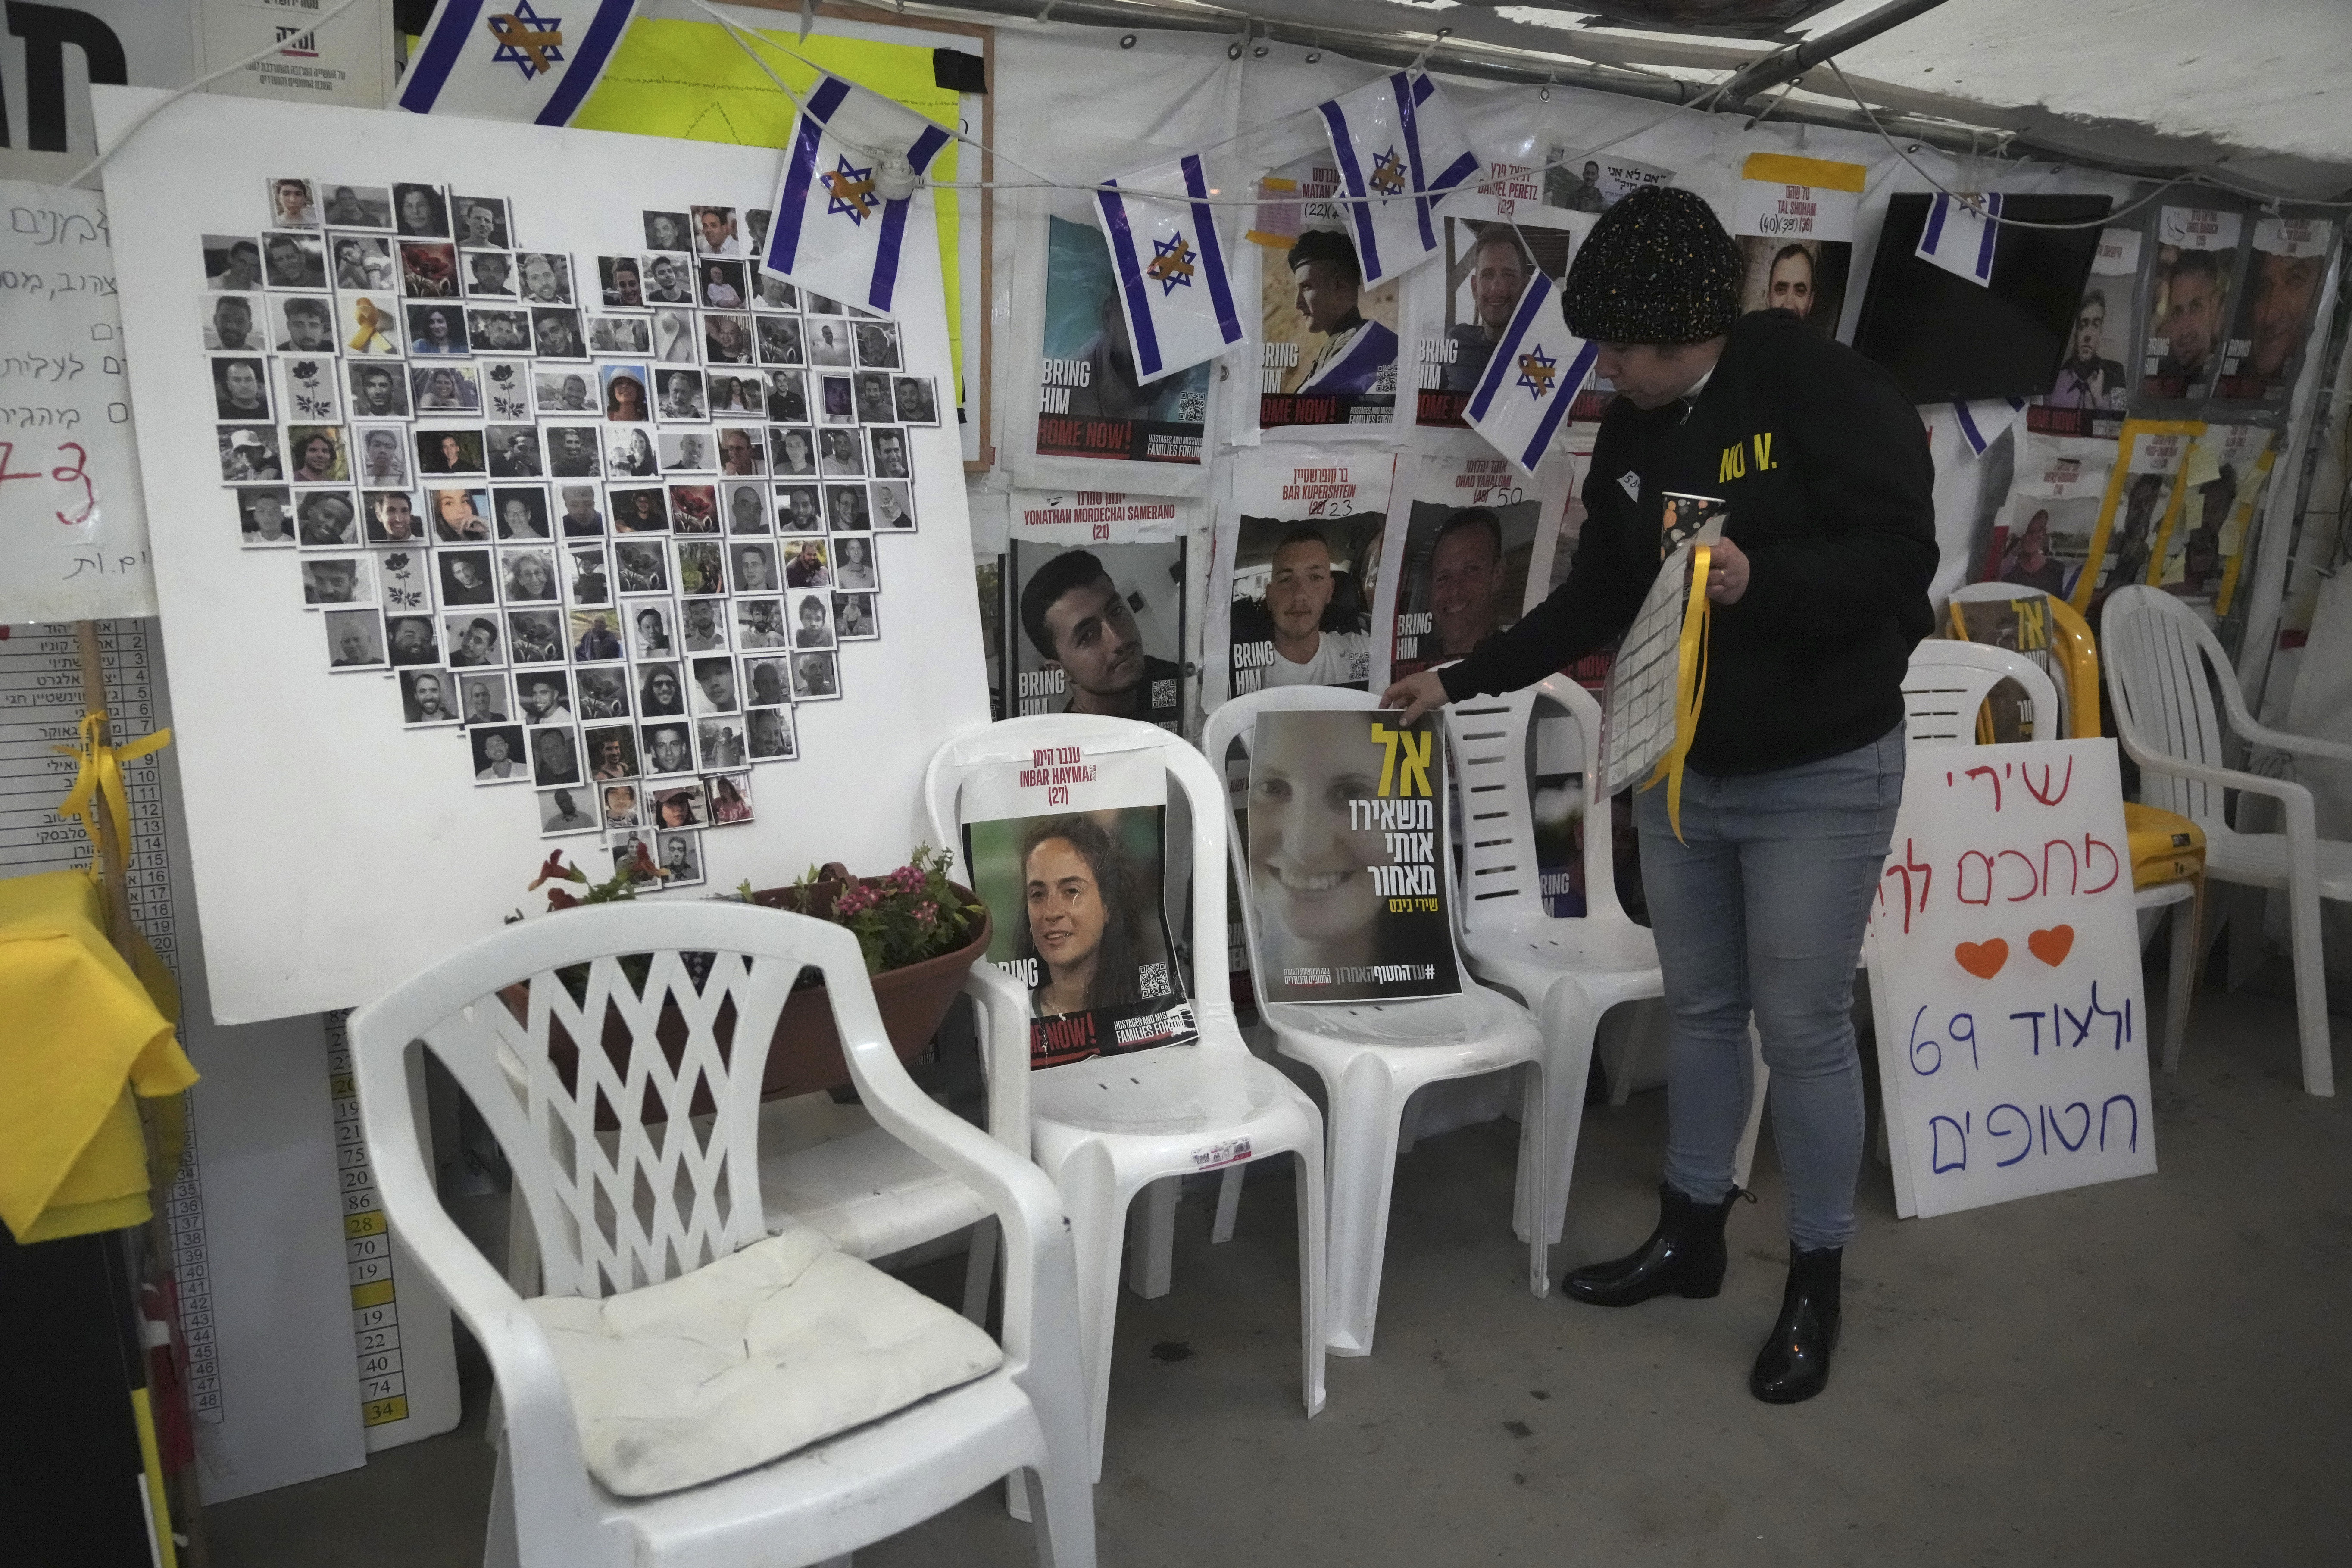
(1819, 593)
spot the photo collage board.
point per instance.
(610, 517)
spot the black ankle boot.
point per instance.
(1685, 1254)
(1794, 1363)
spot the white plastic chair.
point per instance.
(2161, 666)
(616, 1212)
(1373, 1055)
(1569, 972)
(2062, 722)
(831, 1167)
(834, 1168)
(1947, 681)
(1107, 1127)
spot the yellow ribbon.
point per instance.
(1690, 690)
(371, 323)
(98, 785)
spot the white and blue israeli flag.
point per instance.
(1400, 150)
(1534, 375)
(834, 231)
(1981, 423)
(1170, 265)
(532, 61)
(1960, 238)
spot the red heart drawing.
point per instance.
(1982, 959)
(2051, 947)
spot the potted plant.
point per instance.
(919, 931)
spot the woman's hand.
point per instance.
(1727, 573)
(1416, 694)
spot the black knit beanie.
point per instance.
(1657, 268)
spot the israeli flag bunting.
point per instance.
(1398, 144)
(1959, 240)
(534, 63)
(1171, 267)
(1981, 423)
(1534, 375)
(835, 233)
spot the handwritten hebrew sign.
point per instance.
(73, 522)
(2004, 978)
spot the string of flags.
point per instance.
(1400, 150)
(855, 160)
(1533, 377)
(842, 198)
(532, 63)
(1178, 300)
(1960, 238)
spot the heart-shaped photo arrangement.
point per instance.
(610, 517)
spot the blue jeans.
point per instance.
(1762, 907)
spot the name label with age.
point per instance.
(2005, 979)
(73, 520)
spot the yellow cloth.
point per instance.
(2164, 846)
(81, 1032)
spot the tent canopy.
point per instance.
(2236, 91)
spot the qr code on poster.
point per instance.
(1152, 980)
(1163, 694)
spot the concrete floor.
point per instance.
(2151, 1371)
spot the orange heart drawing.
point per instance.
(2051, 947)
(1983, 959)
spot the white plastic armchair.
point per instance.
(1570, 970)
(627, 1209)
(874, 1195)
(1373, 1055)
(2162, 665)
(1109, 1127)
(1947, 683)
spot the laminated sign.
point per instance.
(1345, 844)
(2004, 974)
(1659, 679)
(1065, 847)
(1795, 219)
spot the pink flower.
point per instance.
(927, 914)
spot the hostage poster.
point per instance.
(1462, 545)
(2044, 533)
(2282, 278)
(1297, 561)
(1794, 218)
(1464, 306)
(2189, 291)
(1067, 848)
(1096, 628)
(2141, 503)
(1327, 344)
(2204, 541)
(1347, 881)
(2087, 398)
(1089, 402)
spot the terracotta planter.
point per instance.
(805, 1054)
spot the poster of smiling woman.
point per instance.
(1067, 854)
(1346, 831)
